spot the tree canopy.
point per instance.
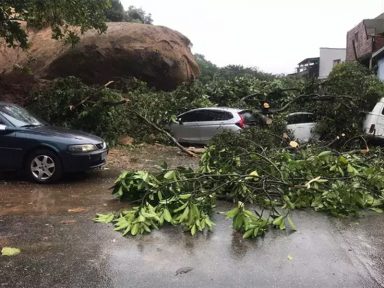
(60, 15)
(117, 14)
(138, 15)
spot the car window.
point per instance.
(214, 115)
(300, 118)
(206, 115)
(193, 116)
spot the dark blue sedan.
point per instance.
(45, 152)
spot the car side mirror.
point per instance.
(179, 121)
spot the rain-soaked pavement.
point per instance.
(62, 247)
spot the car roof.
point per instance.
(300, 113)
(227, 109)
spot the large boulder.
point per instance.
(156, 54)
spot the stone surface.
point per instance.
(156, 54)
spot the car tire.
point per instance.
(43, 166)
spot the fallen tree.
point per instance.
(265, 183)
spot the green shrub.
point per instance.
(72, 104)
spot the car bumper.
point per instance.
(76, 162)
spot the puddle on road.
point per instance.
(19, 197)
(83, 190)
(312, 256)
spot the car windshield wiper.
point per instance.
(31, 125)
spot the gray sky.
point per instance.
(271, 35)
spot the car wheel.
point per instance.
(43, 166)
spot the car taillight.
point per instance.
(241, 123)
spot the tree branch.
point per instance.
(165, 133)
(315, 97)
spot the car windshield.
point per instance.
(18, 116)
(299, 118)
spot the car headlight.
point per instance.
(82, 148)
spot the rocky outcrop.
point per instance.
(156, 54)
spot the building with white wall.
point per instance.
(377, 63)
(329, 57)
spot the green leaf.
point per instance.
(238, 221)
(167, 215)
(378, 210)
(10, 251)
(209, 223)
(343, 160)
(324, 153)
(184, 216)
(290, 222)
(288, 202)
(104, 218)
(254, 173)
(352, 170)
(193, 230)
(184, 196)
(181, 207)
(170, 175)
(146, 228)
(232, 213)
(248, 234)
(141, 218)
(127, 230)
(279, 221)
(135, 229)
(252, 176)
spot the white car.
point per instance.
(374, 121)
(301, 124)
(198, 126)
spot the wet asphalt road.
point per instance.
(62, 247)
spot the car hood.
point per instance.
(73, 136)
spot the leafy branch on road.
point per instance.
(265, 184)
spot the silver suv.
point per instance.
(198, 126)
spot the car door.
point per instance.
(10, 149)
(213, 122)
(187, 127)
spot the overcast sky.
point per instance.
(271, 35)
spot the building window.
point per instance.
(356, 36)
